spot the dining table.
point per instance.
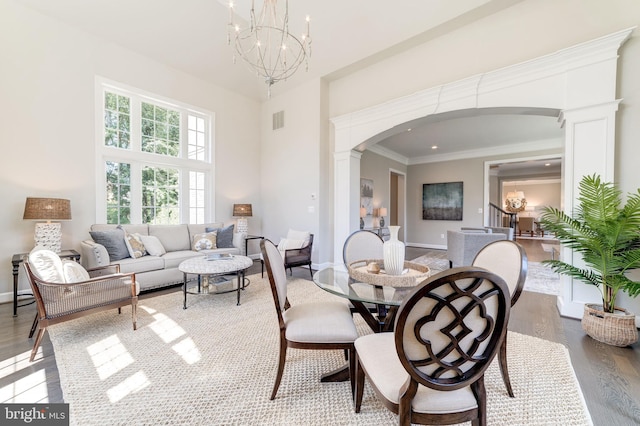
(385, 298)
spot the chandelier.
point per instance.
(515, 201)
(267, 46)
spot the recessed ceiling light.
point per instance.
(434, 147)
(547, 164)
(409, 129)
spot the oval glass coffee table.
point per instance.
(205, 265)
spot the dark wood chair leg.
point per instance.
(352, 370)
(310, 271)
(262, 262)
(33, 326)
(357, 400)
(281, 360)
(37, 344)
(134, 314)
(504, 371)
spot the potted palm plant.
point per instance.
(606, 234)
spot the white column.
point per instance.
(346, 199)
(589, 149)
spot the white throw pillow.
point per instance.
(74, 272)
(299, 235)
(152, 245)
(46, 265)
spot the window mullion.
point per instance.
(136, 134)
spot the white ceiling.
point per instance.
(191, 35)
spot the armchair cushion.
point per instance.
(74, 272)
(46, 265)
(299, 235)
(113, 241)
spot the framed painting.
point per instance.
(366, 195)
(442, 201)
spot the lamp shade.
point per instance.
(363, 212)
(382, 211)
(240, 210)
(47, 209)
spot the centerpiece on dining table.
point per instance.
(372, 271)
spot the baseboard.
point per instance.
(427, 246)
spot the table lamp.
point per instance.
(382, 212)
(49, 234)
(242, 211)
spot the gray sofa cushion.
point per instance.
(224, 239)
(113, 241)
(142, 264)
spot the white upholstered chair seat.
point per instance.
(320, 322)
(377, 354)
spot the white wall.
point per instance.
(291, 163)
(47, 124)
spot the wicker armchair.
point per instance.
(58, 302)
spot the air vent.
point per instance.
(278, 120)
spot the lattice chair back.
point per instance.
(449, 328)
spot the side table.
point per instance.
(246, 242)
(15, 262)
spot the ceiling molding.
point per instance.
(491, 151)
(380, 150)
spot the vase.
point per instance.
(393, 253)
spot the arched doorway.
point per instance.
(579, 81)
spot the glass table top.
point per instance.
(337, 281)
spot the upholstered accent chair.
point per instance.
(430, 369)
(526, 224)
(295, 250)
(64, 290)
(508, 260)
(315, 325)
(462, 246)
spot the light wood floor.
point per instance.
(609, 376)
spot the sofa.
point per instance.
(463, 245)
(153, 252)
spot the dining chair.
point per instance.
(360, 245)
(313, 325)
(508, 259)
(526, 224)
(430, 369)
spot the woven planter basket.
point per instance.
(617, 329)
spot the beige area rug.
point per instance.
(540, 278)
(214, 364)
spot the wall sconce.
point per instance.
(382, 212)
(48, 235)
(242, 211)
(363, 213)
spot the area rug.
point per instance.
(540, 278)
(214, 364)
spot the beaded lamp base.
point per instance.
(49, 236)
(242, 226)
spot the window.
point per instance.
(154, 159)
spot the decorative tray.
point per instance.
(412, 274)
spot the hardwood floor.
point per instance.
(609, 376)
